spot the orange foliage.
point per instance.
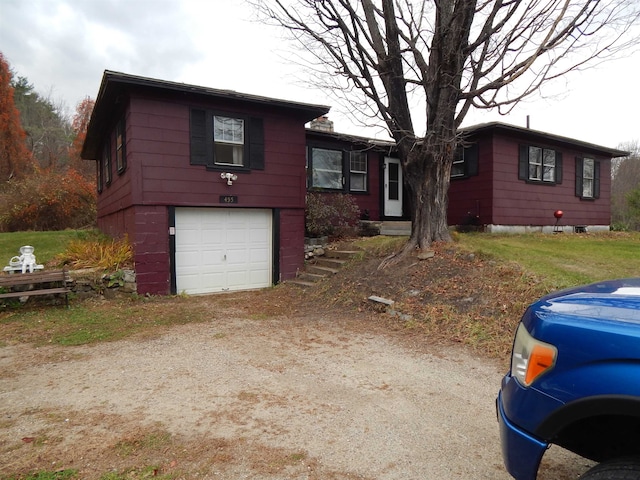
(48, 200)
(80, 125)
(15, 158)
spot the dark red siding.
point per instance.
(500, 198)
(159, 176)
(470, 199)
(291, 242)
(517, 202)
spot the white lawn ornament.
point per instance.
(26, 262)
(27, 258)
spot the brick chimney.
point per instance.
(322, 123)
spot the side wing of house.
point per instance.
(208, 185)
(523, 177)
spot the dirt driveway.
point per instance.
(314, 397)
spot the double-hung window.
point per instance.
(465, 161)
(587, 178)
(337, 169)
(106, 162)
(228, 141)
(222, 140)
(326, 168)
(540, 165)
(358, 171)
(121, 145)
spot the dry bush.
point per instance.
(334, 214)
(97, 251)
(48, 200)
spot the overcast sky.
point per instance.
(63, 47)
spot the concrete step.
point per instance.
(393, 228)
(323, 266)
(343, 254)
(329, 262)
(320, 270)
(301, 283)
(308, 276)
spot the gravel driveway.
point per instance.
(299, 398)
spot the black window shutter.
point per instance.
(201, 138)
(596, 180)
(578, 177)
(471, 160)
(256, 143)
(558, 167)
(523, 170)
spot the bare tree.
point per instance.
(625, 179)
(404, 60)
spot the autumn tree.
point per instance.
(420, 66)
(15, 159)
(79, 126)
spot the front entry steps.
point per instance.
(323, 266)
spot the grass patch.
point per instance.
(563, 260)
(59, 475)
(47, 244)
(91, 322)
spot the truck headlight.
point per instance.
(531, 358)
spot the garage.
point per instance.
(222, 249)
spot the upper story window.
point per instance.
(121, 147)
(99, 172)
(106, 162)
(358, 171)
(540, 165)
(222, 140)
(228, 141)
(465, 161)
(587, 178)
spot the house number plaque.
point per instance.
(228, 199)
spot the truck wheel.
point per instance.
(622, 469)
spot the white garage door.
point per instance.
(220, 249)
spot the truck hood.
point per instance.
(612, 300)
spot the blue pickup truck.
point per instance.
(575, 382)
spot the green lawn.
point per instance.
(46, 244)
(563, 260)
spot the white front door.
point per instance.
(392, 187)
(220, 249)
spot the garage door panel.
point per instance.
(219, 249)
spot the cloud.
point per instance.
(63, 47)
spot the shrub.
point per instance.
(97, 251)
(333, 214)
(48, 200)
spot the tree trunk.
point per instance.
(427, 171)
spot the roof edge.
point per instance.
(613, 152)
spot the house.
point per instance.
(512, 179)
(504, 178)
(209, 185)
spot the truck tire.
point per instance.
(622, 469)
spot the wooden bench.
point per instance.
(36, 283)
